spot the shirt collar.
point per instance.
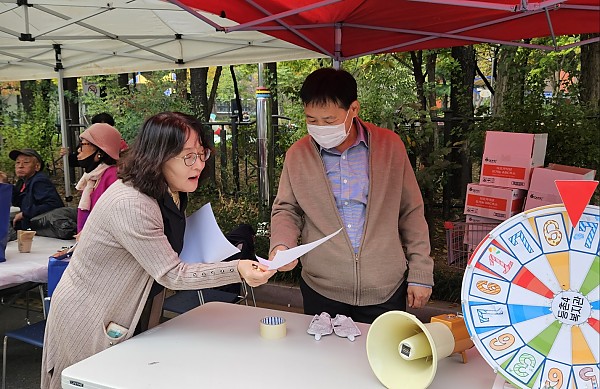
(361, 136)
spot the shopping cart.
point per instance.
(462, 239)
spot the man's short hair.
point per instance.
(329, 85)
(103, 117)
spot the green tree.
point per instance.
(35, 129)
(539, 92)
(131, 107)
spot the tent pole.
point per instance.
(337, 46)
(264, 140)
(63, 122)
(551, 29)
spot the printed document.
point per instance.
(284, 257)
(203, 240)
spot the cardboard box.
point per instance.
(477, 228)
(493, 202)
(543, 191)
(509, 158)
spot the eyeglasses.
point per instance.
(190, 159)
(81, 144)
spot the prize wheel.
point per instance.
(531, 299)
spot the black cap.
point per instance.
(29, 152)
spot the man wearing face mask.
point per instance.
(351, 174)
(98, 153)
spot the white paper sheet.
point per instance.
(203, 240)
(284, 257)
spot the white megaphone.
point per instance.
(403, 352)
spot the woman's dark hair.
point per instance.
(161, 138)
(329, 85)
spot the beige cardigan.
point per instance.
(395, 232)
(121, 251)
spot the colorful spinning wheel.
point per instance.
(531, 299)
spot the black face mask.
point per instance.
(88, 164)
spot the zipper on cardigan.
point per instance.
(357, 279)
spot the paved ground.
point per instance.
(24, 361)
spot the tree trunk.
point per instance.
(590, 74)
(27, 89)
(272, 84)
(181, 81)
(199, 92)
(431, 60)
(461, 103)
(510, 79)
(123, 81)
(213, 89)
(417, 61)
(422, 159)
(199, 101)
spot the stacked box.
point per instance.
(509, 158)
(493, 202)
(513, 179)
(543, 191)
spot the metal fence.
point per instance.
(462, 239)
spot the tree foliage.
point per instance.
(36, 129)
(131, 106)
(541, 94)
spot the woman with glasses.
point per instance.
(133, 238)
(97, 154)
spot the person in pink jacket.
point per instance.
(98, 153)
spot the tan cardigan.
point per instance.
(121, 251)
(305, 208)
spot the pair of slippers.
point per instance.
(323, 324)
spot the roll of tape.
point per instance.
(272, 327)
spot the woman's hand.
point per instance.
(253, 272)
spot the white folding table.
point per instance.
(218, 345)
(21, 268)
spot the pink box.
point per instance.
(493, 202)
(509, 158)
(477, 228)
(542, 190)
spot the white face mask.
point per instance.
(329, 136)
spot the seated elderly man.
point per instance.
(34, 193)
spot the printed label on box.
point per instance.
(512, 172)
(486, 202)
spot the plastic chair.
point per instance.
(32, 334)
(185, 300)
(182, 301)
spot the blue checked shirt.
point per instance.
(348, 173)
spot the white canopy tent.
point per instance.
(43, 39)
(99, 37)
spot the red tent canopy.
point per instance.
(345, 29)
